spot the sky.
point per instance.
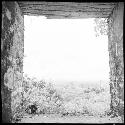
(64, 49)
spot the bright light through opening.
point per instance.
(64, 50)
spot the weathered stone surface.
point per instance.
(11, 58)
(67, 9)
(116, 59)
(12, 47)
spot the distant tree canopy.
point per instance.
(101, 26)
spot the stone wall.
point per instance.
(11, 59)
(116, 59)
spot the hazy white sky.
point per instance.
(64, 49)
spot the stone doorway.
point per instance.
(12, 46)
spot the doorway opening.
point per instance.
(70, 60)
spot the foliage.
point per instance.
(69, 100)
(101, 26)
(41, 94)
